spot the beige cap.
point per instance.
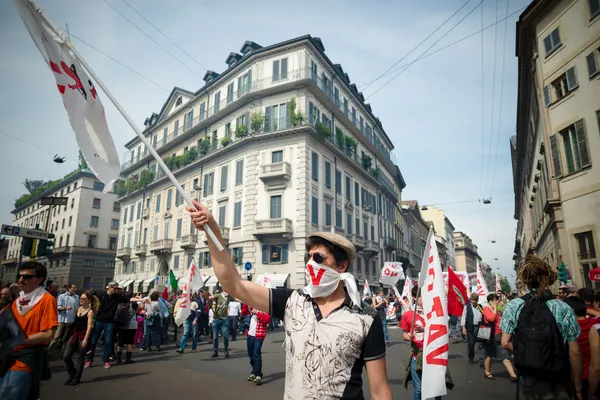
(338, 240)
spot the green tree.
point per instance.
(506, 288)
(32, 185)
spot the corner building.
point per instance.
(279, 145)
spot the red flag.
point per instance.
(457, 294)
(165, 294)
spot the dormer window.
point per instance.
(179, 101)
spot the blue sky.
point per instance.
(431, 111)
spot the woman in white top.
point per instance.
(233, 313)
(211, 317)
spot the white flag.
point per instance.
(198, 280)
(482, 289)
(78, 93)
(366, 289)
(391, 273)
(407, 293)
(185, 302)
(435, 311)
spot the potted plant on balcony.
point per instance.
(146, 177)
(241, 131)
(203, 146)
(350, 145)
(340, 138)
(322, 130)
(296, 118)
(257, 121)
(366, 162)
(376, 172)
(225, 141)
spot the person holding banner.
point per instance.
(380, 303)
(331, 335)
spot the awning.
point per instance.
(146, 283)
(127, 283)
(212, 281)
(277, 280)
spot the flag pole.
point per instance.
(129, 120)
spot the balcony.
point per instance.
(389, 244)
(224, 234)
(60, 250)
(274, 227)
(339, 230)
(161, 246)
(124, 253)
(140, 250)
(145, 213)
(358, 242)
(371, 247)
(188, 241)
(277, 170)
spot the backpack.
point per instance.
(539, 349)
(120, 319)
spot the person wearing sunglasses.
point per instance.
(36, 312)
(331, 335)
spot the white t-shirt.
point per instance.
(211, 316)
(234, 308)
(252, 329)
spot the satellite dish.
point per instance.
(59, 160)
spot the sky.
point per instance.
(449, 115)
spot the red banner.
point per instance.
(457, 294)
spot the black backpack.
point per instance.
(539, 349)
(120, 319)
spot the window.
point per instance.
(230, 93)
(573, 143)
(139, 211)
(354, 115)
(154, 235)
(560, 87)
(349, 223)
(345, 107)
(209, 180)
(372, 232)
(96, 203)
(315, 166)
(237, 214)
(169, 198)
(112, 243)
(176, 128)
(338, 217)
(552, 42)
(89, 263)
(205, 259)
(239, 172)
(356, 194)
(202, 111)
(63, 223)
(217, 105)
(92, 240)
(327, 214)
(592, 63)
(366, 231)
(357, 223)
(179, 226)
(116, 207)
(145, 236)
(275, 207)
(93, 221)
(274, 254)
(157, 203)
(313, 70)
(280, 69)
(69, 239)
(114, 224)
(594, 8)
(336, 96)
(338, 181)
(109, 264)
(178, 197)
(243, 84)
(328, 174)
(228, 129)
(188, 120)
(222, 213)
(223, 178)
(315, 211)
(175, 263)
(348, 188)
(237, 254)
(167, 229)
(165, 136)
(98, 186)
(277, 156)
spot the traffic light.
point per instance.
(562, 272)
(27, 246)
(44, 246)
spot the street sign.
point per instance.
(248, 266)
(24, 232)
(90, 285)
(54, 201)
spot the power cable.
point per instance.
(27, 143)
(429, 48)
(487, 176)
(167, 37)
(414, 48)
(152, 39)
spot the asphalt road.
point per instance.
(168, 375)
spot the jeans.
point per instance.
(220, 324)
(70, 349)
(416, 379)
(15, 385)
(233, 326)
(385, 329)
(107, 329)
(188, 329)
(153, 336)
(63, 334)
(471, 345)
(255, 354)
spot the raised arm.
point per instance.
(249, 292)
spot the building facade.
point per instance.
(444, 234)
(416, 230)
(86, 231)
(466, 253)
(556, 155)
(279, 145)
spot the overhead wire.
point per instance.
(27, 143)
(489, 164)
(152, 39)
(415, 47)
(429, 48)
(163, 34)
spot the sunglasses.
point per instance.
(25, 276)
(316, 256)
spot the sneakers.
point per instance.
(215, 354)
(70, 379)
(226, 354)
(251, 378)
(258, 380)
(106, 365)
(75, 382)
(87, 364)
(193, 350)
(179, 351)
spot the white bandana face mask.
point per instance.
(323, 280)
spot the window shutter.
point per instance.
(249, 88)
(572, 79)
(265, 253)
(592, 63)
(276, 70)
(284, 68)
(268, 119)
(547, 96)
(284, 254)
(582, 142)
(555, 156)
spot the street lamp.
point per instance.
(59, 160)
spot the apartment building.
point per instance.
(466, 253)
(279, 145)
(444, 234)
(86, 232)
(555, 152)
(415, 230)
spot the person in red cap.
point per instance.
(331, 335)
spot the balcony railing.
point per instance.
(389, 243)
(161, 246)
(123, 253)
(140, 250)
(188, 241)
(358, 241)
(281, 169)
(274, 226)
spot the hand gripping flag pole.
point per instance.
(35, 9)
